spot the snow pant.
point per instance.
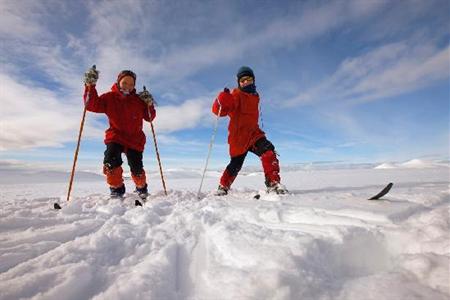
(112, 165)
(266, 152)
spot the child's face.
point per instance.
(246, 80)
(127, 84)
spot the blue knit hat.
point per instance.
(244, 71)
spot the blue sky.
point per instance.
(354, 81)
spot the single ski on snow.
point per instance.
(383, 192)
(137, 202)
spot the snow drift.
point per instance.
(323, 241)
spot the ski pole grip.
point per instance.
(226, 90)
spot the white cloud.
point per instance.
(385, 71)
(31, 116)
(188, 115)
(137, 35)
(16, 18)
(125, 36)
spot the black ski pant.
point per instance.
(259, 148)
(113, 158)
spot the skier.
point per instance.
(244, 134)
(126, 111)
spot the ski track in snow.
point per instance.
(318, 242)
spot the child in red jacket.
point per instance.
(244, 134)
(125, 111)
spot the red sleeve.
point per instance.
(93, 102)
(226, 101)
(150, 113)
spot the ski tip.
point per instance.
(383, 192)
(56, 206)
(137, 203)
(257, 196)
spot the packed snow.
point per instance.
(322, 241)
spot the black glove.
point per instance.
(146, 97)
(91, 76)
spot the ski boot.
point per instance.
(277, 188)
(221, 191)
(117, 192)
(142, 192)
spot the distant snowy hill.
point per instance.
(322, 241)
(414, 164)
(15, 176)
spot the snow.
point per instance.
(386, 166)
(412, 164)
(323, 241)
(417, 163)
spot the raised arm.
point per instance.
(224, 102)
(91, 99)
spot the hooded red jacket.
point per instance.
(125, 114)
(243, 110)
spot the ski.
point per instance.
(257, 196)
(378, 196)
(137, 202)
(382, 192)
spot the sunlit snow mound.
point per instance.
(414, 164)
(386, 166)
(417, 164)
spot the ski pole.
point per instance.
(77, 150)
(213, 136)
(56, 205)
(157, 155)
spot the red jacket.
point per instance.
(243, 110)
(125, 114)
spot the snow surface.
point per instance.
(323, 241)
(412, 164)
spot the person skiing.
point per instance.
(244, 134)
(126, 111)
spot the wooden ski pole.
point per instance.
(56, 205)
(77, 150)
(157, 155)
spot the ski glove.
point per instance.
(146, 97)
(91, 76)
(225, 99)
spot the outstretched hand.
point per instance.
(91, 76)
